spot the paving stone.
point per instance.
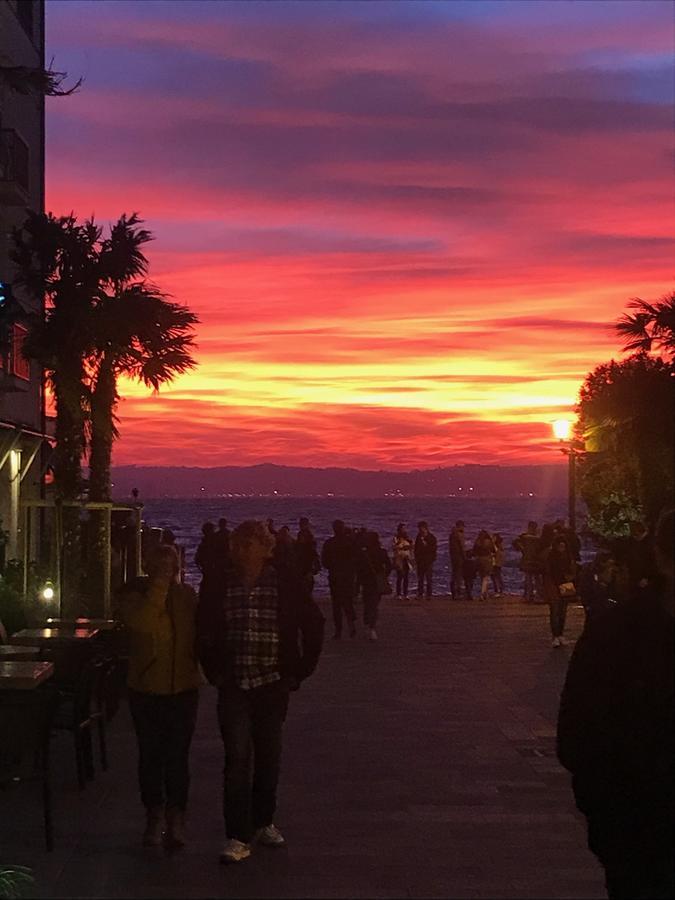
(421, 766)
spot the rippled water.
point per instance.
(508, 517)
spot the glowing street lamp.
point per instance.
(562, 431)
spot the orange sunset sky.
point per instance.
(406, 227)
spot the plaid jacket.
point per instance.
(229, 647)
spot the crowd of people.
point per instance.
(256, 633)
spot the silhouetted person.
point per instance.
(558, 579)
(169, 540)
(403, 556)
(223, 540)
(306, 556)
(270, 526)
(597, 584)
(284, 551)
(338, 555)
(638, 558)
(470, 570)
(208, 555)
(527, 545)
(484, 554)
(374, 566)
(425, 556)
(497, 578)
(457, 551)
(616, 736)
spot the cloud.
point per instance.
(382, 213)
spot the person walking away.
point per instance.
(457, 551)
(425, 557)
(497, 579)
(484, 553)
(403, 555)
(223, 539)
(639, 561)
(163, 683)
(284, 550)
(169, 540)
(597, 584)
(258, 638)
(559, 587)
(375, 567)
(527, 544)
(616, 737)
(338, 555)
(306, 557)
(208, 555)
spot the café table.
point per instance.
(24, 675)
(45, 637)
(14, 652)
(82, 622)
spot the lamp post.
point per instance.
(562, 430)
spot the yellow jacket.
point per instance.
(161, 622)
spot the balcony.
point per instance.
(14, 179)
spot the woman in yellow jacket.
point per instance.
(163, 686)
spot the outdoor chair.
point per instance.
(25, 728)
(77, 711)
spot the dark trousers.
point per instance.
(557, 615)
(457, 581)
(164, 726)
(251, 724)
(425, 575)
(371, 604)
(402, 576)
(342, 600)
(497, 580)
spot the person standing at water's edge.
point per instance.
(616, 734)
(163, 686)
(374, 567)
(484, 552)
(339, 557)
(457, 551)
(258, 637)
(403, 554)
(425, 557)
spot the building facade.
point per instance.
(24, 444)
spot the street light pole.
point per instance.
(562, 429)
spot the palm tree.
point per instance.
(652, 327)
(139, 333)
(102, 320)
(55, 259)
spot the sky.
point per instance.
(406, 227)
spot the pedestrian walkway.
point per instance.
(422, 765)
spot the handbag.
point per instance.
(567, 589)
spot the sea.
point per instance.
(508, 517)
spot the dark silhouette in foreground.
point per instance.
(616, 735)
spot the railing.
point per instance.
(14, 167)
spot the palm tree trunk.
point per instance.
(103, 401)
(70, 419)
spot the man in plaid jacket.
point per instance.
(258, 637)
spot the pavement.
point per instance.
(422, 765)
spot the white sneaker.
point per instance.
(234, 851)
(270, 836)
(372, 635)
(556, 642)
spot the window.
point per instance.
(16, 362)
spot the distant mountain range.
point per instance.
(268, 480)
